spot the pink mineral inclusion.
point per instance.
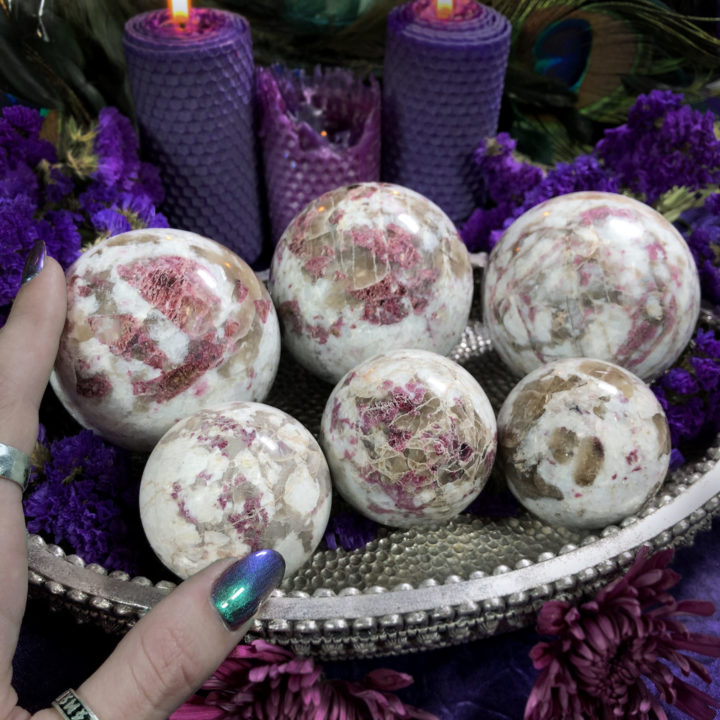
(126, 337)
(250, 523)
(602, 212)
(92, 386)
(174, 286)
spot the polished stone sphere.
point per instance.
(410, 438)
(365, 268)
(583, 443)
(160, 323)
(591, 274)
(233, 479)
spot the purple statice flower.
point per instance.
(350, 531)
(690, 391)
(20, 140)
(110, 221)
(664, 144)
(506, 177)
(513, 187)
(86, 501)
(59, 186)
(18, 232)
(20, 180)
(506, 180)
(116, 148)
(583, 173)
(261, 681)
(485, 226)
(64, 240)
(140, 209)
(605, 654)
(131, 211)
(680, 381)
(701, 229)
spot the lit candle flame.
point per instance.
(444, 9)
(179, 11)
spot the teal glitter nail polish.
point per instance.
(34, 263)
(239, 591)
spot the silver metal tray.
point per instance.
(415, 589)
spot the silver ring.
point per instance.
(71, 707)
(14, 465)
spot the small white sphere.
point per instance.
(410, 438)
(369, 267)
(583, 443)
(591, 274)
(230, 480)
(161, 322)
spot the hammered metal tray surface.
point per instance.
(414, 589)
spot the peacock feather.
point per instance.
(592, 58)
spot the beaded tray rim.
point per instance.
(380, 621)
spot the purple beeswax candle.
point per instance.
(318, 132)
(442, 87)
(193, 86)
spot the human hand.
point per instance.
(176, 646)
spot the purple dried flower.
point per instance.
(506, 177)
(685, 420)
(680, 381)
(18, 231)
(608, 651)
(690, 392)
(350, 531)
(260, 681)
(680, 141)
(20, 138)
(110, 222)
(64, 241)
(706, 342)
(116, 147)
(86, 501)
(583, 173)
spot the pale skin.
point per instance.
(176, 646)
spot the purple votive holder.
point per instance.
(442, 88)
(193, 87)
(318, 132)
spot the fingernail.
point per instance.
(34, 263)
(244, 586)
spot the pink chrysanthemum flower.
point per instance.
(608, 652)
(260, 681)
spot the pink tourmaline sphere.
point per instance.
(160, 323)
(591, 274)
(410, 437)
(365, 268)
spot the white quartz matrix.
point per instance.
(230, 480)
(591, 274)
(160, 323)
(583, 443)
(366, 268)
(410, 438)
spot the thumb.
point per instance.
(28, 345)
(180, 642)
